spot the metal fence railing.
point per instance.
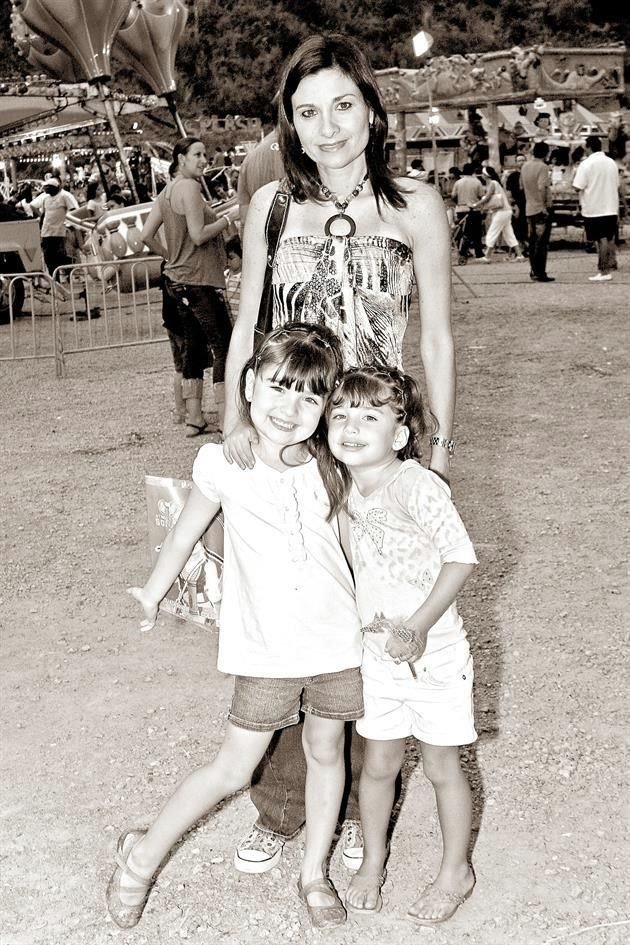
(83, 307)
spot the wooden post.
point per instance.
(113, 124)
(492, 114)
(400, 143)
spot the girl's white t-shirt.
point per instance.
(288, 607)
(401, 535)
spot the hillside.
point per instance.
(232, 53)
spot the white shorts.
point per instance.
(436, 708)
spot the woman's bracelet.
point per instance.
(443, 442)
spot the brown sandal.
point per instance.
(126, 916)
(374, 882)
(322, 917)
(442, 897)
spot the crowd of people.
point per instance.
(515, 207)
(56, 204)
(343, 552)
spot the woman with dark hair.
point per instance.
(355, 238)
(193, 278)
(94, 198)
(497, 202)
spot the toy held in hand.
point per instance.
(382, 624)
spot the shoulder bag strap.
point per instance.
(276, 220)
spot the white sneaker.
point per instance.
(351, 841)
(258, 852)
(600, 277)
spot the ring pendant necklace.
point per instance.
(340, 224)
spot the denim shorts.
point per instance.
(266, 705)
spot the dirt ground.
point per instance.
(99, 721)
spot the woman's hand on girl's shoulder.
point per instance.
(149, 607)
(237, 445)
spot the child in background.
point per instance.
(234, 253)
(410, 555)
(289, 627)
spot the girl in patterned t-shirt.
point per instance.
(411, 555)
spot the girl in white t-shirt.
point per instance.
(290, 632)
(410, 555)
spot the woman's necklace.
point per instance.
(342, 223)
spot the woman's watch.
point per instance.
(442, 441)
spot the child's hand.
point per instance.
(404, 644)
(149, 607)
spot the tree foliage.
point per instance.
(230, 58)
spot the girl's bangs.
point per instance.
(362, 390)
(301, 371)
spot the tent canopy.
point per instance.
(43, 116)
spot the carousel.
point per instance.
(492, 106)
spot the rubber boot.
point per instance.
(192, 390)
(218, 391)
(180, 400)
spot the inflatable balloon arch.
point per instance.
(74, 42)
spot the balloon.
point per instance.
(104, 251)
(134, 240)
(118, 245)
(84, 29)
(148, 39)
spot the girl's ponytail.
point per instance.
(415, 417)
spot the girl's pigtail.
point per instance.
(415, 418)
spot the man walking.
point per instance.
(536, 183)
(597, 179)
(54, 203)
(467, 192)
(514, 188)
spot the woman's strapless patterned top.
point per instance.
(359, 286)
